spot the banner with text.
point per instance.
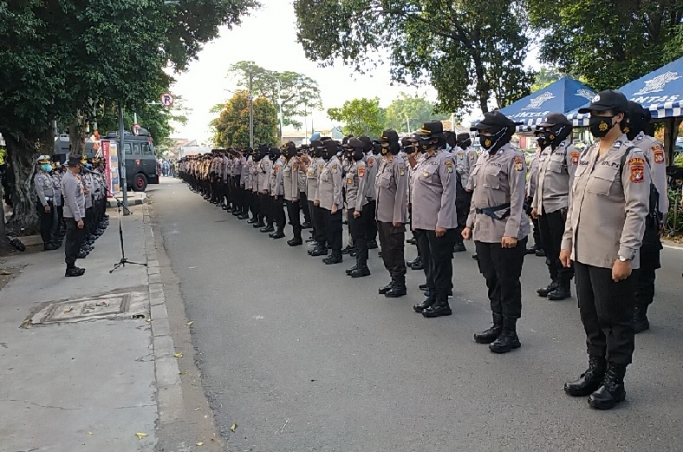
(110, 153)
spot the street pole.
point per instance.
(279, 101)
(408, 123)
(122, 163)
(305, 122)
(251, 114)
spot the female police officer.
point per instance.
(603, 235)
(500, 227)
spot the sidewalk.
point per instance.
(83, 377)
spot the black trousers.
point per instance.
(74, 239)
(463, 199)
(278, 208)
(392, 241)
(437, 258)
(606, 312)
(294, 214)
(47, 220)
(334, 229)
(372, 224)
(649, 263)
(265, 209)
(552, 229)
(303, 203)
(237, 198)
(359, 229)
(502, 269)
(536, 231)
(319, 225)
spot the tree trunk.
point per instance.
(22, 152)
(77, 137)
(482, 88)
(5, 246)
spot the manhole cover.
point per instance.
(113, 306)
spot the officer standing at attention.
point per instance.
(556, 166)
(391, 185)
(46, 201)
(74, 214)
(499, 226)
(290, 178)
(372, 157)
(530, 191)
(265, 166)
(357, 214)
(435, 222)
(329, 198)
(277, 191)
(603, 236)
(638, 119)
(314, 164)
(465, 157)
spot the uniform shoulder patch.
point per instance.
(519, 163)
(658, 154)
(371, 162)
(361, 171)
(637, 173)
(636, 161)
(575, 157)
(401, 170)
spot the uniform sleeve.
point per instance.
(470, 161)
(37, 182)
(277, 170)
(572, 161)
(295, 181)
(658, 172)
(635, 178)
(317, 186)
(337, 187)
(71, 187)
(447, 216)
(400, 205)
(517, 178)
(362, 182)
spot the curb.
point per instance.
(169, 390)
(131, 202)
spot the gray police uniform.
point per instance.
(74, 211)
(391, 185)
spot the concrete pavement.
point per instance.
(296, 356)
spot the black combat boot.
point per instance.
(50, 247)
(350, 270)
(296, 241)
(508, 339)
(267, 228)
(612, 390)
(423, 286)
(334, 258)
(590, 380)
(360, 272)
(544, 291)
(459, 247)
(372, 244)
(640, 321)
(74, 272)
(252, 220)
(428, 303)
(258, 224)
(277, 234)
(320, 250)
(387, 288)
(417, 264)
(490, 335)
(398, 288)
(562, 291)
(440, 308)
(347, 250)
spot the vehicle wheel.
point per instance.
(139, 182)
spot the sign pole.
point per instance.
(122, 164)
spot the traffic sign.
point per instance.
(166, 100)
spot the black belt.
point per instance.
(491, 211)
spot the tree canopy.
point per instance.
(413, 110)
(471, 51)
(360, 117)
(606, 43)
(298, 93)
(231, 128)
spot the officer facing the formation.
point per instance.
(46, 201)
(435, 221)
(638, 119)
(465, 157)
(603, 236)
(391, 185)
(499, 226)
(74, 215)
(358, 215)
(290, 180)
(556, 166)
(330, 199)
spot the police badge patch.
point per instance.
(659, 154)
(519, 163)
(575, 157)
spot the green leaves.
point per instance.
(231, 128)
(360, 117)
(410, 111)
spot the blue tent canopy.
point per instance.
(660, 91)
(562, 96)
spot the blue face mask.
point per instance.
(46, 167)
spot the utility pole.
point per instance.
(122, 162)
(306, 122)
(408, 123)
(251, 113)
(279, 101)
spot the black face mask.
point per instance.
(384, 150)
(600, 125)
(465, 144)
(542, 142)
(634, 127)
(357, 155)
(424, 144)
(493, 142)
(325, 154)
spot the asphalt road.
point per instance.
(302, 358)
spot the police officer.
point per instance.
(265, 166)
(313, 166)
(358, 215)
(245, 183)
(435, 221)
(414, 156)
(277, 191)
(290, 178)
(530, 191)
(499, 226)
(465, 159)
(391, 185)
(603, 236)
(46, 201)
(329, 198)
(372, 156)
(638, 119)
(74, 215)
(58, 229)
(556, 166)
(303, 196)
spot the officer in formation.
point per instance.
(359, 211)
(465, 157)
(74, 215)
(47, 202)
(329, 198)
(603, 235)
(556, 166)
(530, 191)
(292, 194)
